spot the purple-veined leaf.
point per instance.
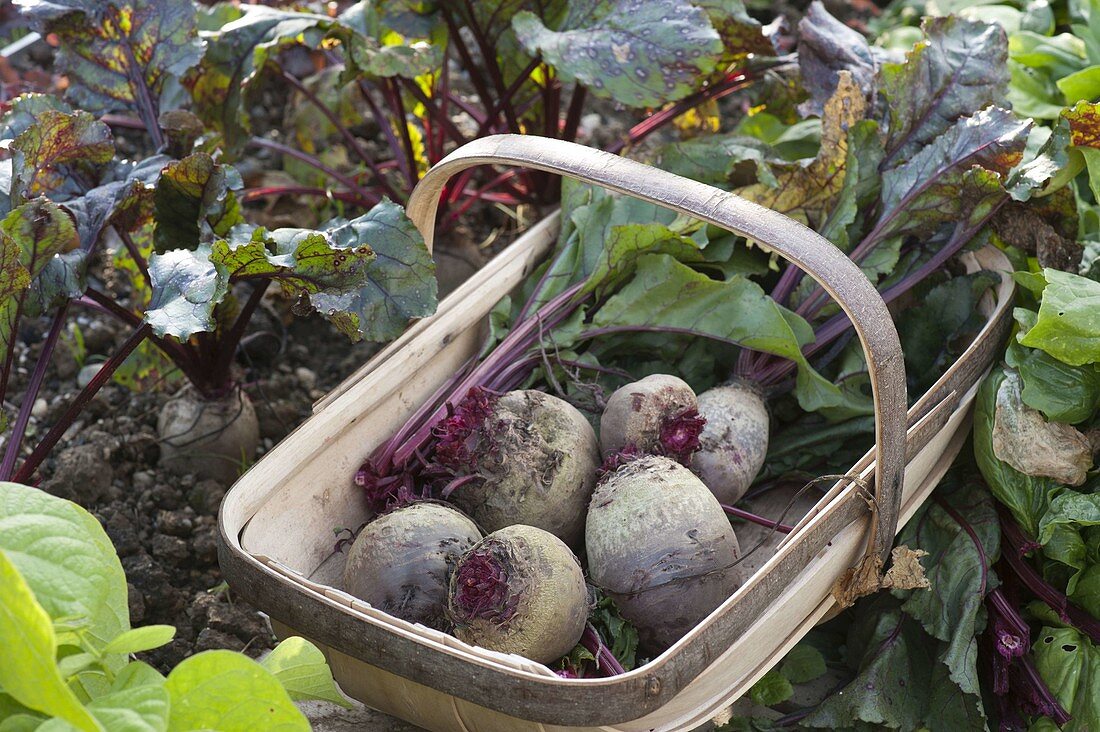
(121, 55)
(927, 190)
(58, 155)
(825, 48)
(959, 67)
(30, 236)
(194, 203)
(222, 84)
(637, 52)
(24, 112)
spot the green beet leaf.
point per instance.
(959, 67)
(803, 664)
(29, 672)
(640, 53)
(187, 287)
(1068, 326)
(194, 203)
(229, 692)
(772, 688)
(959, 571)
(741, 34)
(900, 681)
(66, 558)
(930, 331)
(1070, 665)
(1070, 508)
(669, 295)
(122, 55)
(1063, 393)
(302, 670)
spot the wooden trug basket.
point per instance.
(276, 523)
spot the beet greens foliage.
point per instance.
(172, 223)
(521, 66)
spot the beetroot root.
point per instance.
(401, 561)
(536, 458)
(660, 544)
(734, 441)
(657, 415)
(520, 590)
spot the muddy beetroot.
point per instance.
(401, 562)
(660, 545)
(658, 415)
(524, 457)
(734, 441)
(520, 590)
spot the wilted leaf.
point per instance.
(807, 190)
(638, 52)
(958, 68)
(195, 203)
(1030, 444)
(58, 150)
(121, 54)
(1025, 496)
(825, 48)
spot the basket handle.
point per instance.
(814, 254)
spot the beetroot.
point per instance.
(401, 561)
(658, 415)
(520, 590)
(660, 545)
(734, 441)
(532, 458)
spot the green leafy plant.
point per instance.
(532, 66)
(196, 269)
(68, 643)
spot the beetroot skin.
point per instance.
(734, 440)
(401, 562)
(661, 546)
(520, 590)
(534, 456)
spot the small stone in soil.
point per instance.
(175, 523)
(81, 474)
(170, 549)
(210, 639)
